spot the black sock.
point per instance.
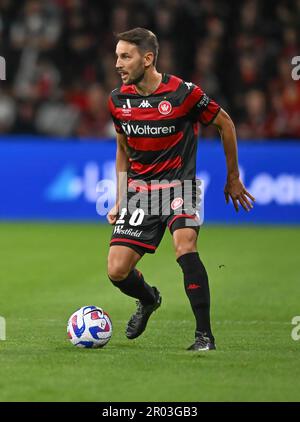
(197, 290)
(135, 286)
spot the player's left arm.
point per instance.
(234, 187)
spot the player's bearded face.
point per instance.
(130, 63)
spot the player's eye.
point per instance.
(123, 56)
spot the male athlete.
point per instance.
(156, 117)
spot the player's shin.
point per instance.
(135, 286)
(197, 290)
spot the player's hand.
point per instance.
(236, 190)
(112, 215)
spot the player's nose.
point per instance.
(118, 64)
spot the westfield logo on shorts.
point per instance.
(131, 129)
(128, 232)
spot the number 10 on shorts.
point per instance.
(136, 218)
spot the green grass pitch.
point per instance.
(47, 271)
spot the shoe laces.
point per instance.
(139, 309)
(202, 340)
(138, 312)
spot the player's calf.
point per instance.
(135, 286)
(197, 290)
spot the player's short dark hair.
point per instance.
(144, 39)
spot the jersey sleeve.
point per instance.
(116, 121)
(204, 109)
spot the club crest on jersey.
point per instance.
(165, 107)
(176, 203)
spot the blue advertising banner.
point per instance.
(56, 180)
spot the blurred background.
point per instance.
(60, 61)
(60, 65)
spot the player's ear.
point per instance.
(148, 59)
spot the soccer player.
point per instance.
(156, 117)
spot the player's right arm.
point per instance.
(122, 166)
(207, 111)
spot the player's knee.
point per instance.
(117, 271)
(182, 248)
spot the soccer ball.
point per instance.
(89, 327)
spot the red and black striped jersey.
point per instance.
(162, 128)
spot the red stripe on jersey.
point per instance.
(150, 113)
(127, 89)
(134, 242)
(208, 115)
(141, 168)
(155, 144)
(142, 187)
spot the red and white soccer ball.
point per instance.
(89, 327)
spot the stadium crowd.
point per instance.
(60, 61)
